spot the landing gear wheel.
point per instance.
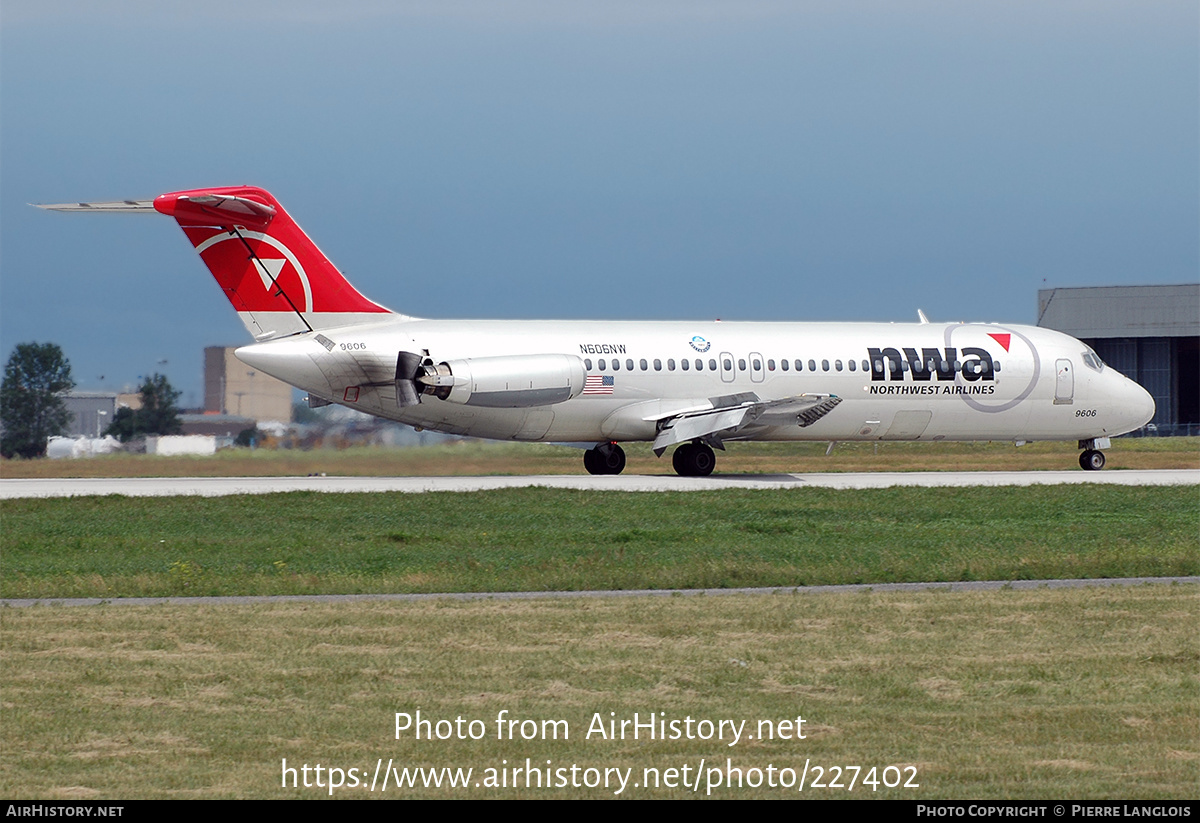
(694, 460)
(703, 460)
(591, 462)
(607, 458)
(679, 460)
(614, 458)
(1091, 460)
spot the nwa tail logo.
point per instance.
(257, 253)
(932, 364)
(256, 270)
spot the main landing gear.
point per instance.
(606, 458)
(695, 459)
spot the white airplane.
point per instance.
(596, 383)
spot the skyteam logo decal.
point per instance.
(700, 344)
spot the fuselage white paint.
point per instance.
(1021, 400)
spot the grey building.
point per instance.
(1148, 333)
(91, 412)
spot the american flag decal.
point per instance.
(598, 384)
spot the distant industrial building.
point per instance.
(233, 388)
(1148, 333)
(91, 412)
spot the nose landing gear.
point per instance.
(1092, 459)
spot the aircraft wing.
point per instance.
(714, 424)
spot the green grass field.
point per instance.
(1069, 694)
(547, 540)
(1045, 694)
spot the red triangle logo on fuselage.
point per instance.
(1002, 339)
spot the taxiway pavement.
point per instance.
(856, 588)
(223, 486)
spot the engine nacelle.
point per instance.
(512, 382)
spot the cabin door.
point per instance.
(1064, 382)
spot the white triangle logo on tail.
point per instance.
(273, 268)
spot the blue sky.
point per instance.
(743, 160)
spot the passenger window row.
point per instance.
(699, 364)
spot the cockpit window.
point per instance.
(1093, 361)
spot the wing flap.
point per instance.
(802, 410)
(692, 426)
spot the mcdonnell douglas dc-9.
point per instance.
(690, 386)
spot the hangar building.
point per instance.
(91, 412)
(1148, 333)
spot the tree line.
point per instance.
(33, 408)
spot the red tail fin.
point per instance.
(277, 279)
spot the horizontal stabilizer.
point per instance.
(215, 208)
(128, 206)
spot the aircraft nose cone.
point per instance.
(1144, 405)
(1137, 406)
